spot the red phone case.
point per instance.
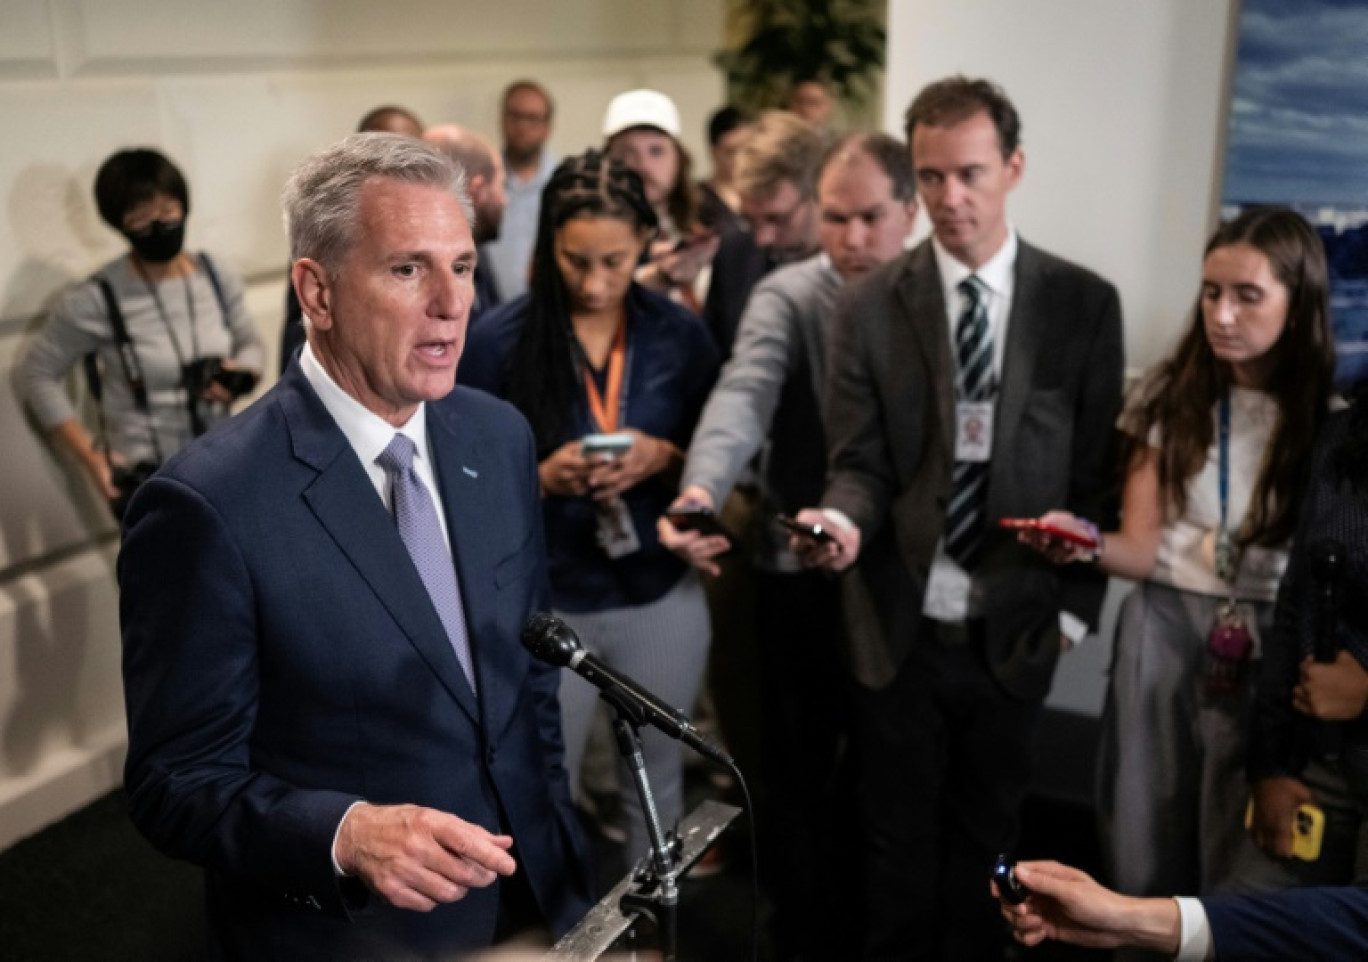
(1035, 524)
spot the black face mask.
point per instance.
(159, 241)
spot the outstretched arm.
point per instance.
(1069, 906)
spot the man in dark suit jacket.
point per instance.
(1309, 923)
(953, 644)
(301, 720)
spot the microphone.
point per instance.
(551, 640)
(1327, 562)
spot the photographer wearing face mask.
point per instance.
(166, 342)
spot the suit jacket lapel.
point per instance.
(1024, 334)
(919, 293)
(344, 501)
(468, 483)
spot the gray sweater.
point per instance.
(80, 324)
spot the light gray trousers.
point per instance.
(664, 647)
(1171, 784)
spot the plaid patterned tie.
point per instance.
(416, 518)
(974, 381)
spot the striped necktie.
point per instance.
(974, 381)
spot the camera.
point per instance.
(128, 480)
(201, 372)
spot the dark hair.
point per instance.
(682, 202)
(723, 121)
(954, 99)
(380, 119)
(888, 152)
(1179, 395)
(533, 86)
(546, 367)
(135, 176)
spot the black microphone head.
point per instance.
(1327, 558)
(550, 639)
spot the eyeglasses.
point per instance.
(524, 117)
(779, 220)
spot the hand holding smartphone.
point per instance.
(1048, 528)
(813, 532)
(701, 519)
(692, 240)
(1308, 830)
(606, 446)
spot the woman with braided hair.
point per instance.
(589, 351)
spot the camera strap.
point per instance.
(128, 356)
(132, 368)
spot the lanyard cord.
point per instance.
(1228, 556)
(191, 402)
(166, 321)
(1225, 458)
(606, 408)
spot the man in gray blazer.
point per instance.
(765, 408)
(973, 379)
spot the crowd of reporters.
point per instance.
(774, 357)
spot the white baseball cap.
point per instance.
(641, 108)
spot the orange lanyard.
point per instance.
(605, 410)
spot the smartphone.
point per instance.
(609, 445)
(692, 240)
(1308, 830)
(815, 532)
(700, 519)
(1054, 530)
(1009, 889)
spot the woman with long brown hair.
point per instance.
(1217, 443)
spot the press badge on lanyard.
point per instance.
(973, 430)
(1229, 641)
(616, 534)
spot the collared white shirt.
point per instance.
(998, 275)
(369, 435)
(949, 589)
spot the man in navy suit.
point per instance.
(1309, 923)
(358, 779)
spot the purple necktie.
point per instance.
(416, 518)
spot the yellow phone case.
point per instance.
(1308, 830)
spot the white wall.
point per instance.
(236, 93)
(1122, 106)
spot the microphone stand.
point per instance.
(657, 895)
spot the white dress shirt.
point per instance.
(369, 435)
